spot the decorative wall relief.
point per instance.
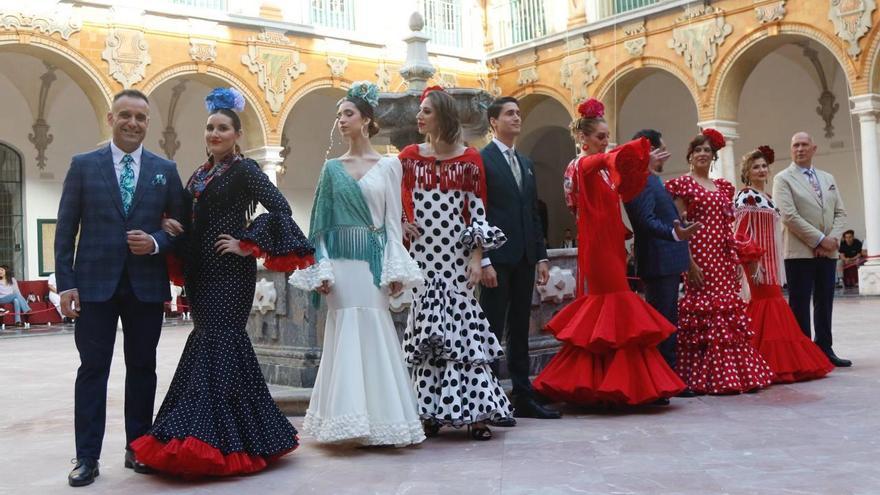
(63, 22)
(40, 138)
(337, 65)
(169, 142)
(852, 20)
(264, 296)
(276, 67)
(698, 42)
(770, 12)
(577, 72)
(635, 46)
(203, 50)
(383, 76)
(127, 55)
(528, 75)
(447, 79)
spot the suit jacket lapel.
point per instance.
(501, 162)
(108, 171)
(147, 172)
(524, 172)
(801, 179)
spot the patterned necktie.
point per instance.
(126, 182)
(514, 167)
(814, 181)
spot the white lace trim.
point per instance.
(398, 266)
(358, 428)
(312, 277)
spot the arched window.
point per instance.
(11, 211)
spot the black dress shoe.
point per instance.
(139, 467)
(836, 361)
(687, 393)
(528, 408)
(84, 473)
(507, 422)
(662, 401)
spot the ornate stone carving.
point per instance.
(635, 47)
(528, 75)
(561, 285)
(337, 65)
(527, 58)
(169, 142)
(577, 72)
(698, 43)
(127, 55)
(771, 12)
(203, 50)
(61, 22)
(273, 37)
(492, 67)
(447, 79)
(40, 138)
(275, 68)
(264, 296)
(635, 28)
(852, 20)
(691, 13)
(828, 106)
(383, 76)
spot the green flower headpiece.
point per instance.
(366, 91)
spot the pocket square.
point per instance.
(159, 180)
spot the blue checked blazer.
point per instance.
(651, 214)
(91, 205)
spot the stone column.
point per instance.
(867, 107)
(270, 160)
(728, 163)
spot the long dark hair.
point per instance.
(7, 274)
(446, 115)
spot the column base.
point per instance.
(869, 280)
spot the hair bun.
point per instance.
(768, 153)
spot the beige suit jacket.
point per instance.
(806, 218)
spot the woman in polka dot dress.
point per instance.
(362, 394)
(714, 352)
(447, 341)
(218, 417)
(792, 356)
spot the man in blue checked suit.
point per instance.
(115, 197)
(660, 244)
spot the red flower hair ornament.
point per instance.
(428, 90)
(591, 109)
(716, 139)
(768, 153)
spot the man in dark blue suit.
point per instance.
(508, 278)
(115, 198)
(661, 248)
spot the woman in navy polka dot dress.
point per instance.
(218, 417)
(447, 341)
(715, 355)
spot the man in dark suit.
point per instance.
(509, 272)
(115, 198)
(661, 249)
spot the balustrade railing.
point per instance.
(443, 21)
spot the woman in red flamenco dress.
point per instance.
(792, 356)
(609, 353)
(714, 352)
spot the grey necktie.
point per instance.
(814, 181)
(514, 167)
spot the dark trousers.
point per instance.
(812, 278)
(662, 294)
(95, 335)
(509, 305)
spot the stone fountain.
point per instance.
(288, 332)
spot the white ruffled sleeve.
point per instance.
(479, 233)
(311, 278)
(398, 265)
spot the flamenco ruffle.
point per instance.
(193, 457)
(615, 320)
(279, 239)
(458, 394)
(358, 428)
(314, 276)
(284, 263)
(398, 266)
(791, 355)
(632, 376)
(481, 234)
(446, 326)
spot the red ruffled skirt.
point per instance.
(609, 353)
(778, 337)
(192, 457)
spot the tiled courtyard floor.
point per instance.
(820, 437)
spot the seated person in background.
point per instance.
(54, 297)
(852, 255)
(9, 293)
(568, 241)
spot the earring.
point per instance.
(364, 132)
(236, 149)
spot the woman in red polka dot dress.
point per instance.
(714, 352)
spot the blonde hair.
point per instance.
(745, 167)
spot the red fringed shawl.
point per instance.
(461, 173)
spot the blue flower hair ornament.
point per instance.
(366, 91)
(229, 98)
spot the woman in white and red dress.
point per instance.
(715, 355)
(792, 356)
(609, 353)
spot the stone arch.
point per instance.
(872, 67)
(96, 88)
(543, 90)
(615, 87)
(320, 83)
(259, 119)
(736, 66)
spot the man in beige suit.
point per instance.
(814, 219)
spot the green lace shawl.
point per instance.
(342, 220)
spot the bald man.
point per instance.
(813, 219)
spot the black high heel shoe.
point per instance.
(480, 432)
(432, 428)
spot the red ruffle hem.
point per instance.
(609, 353)
(192, 457)
(778, 337)
(286, 263)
